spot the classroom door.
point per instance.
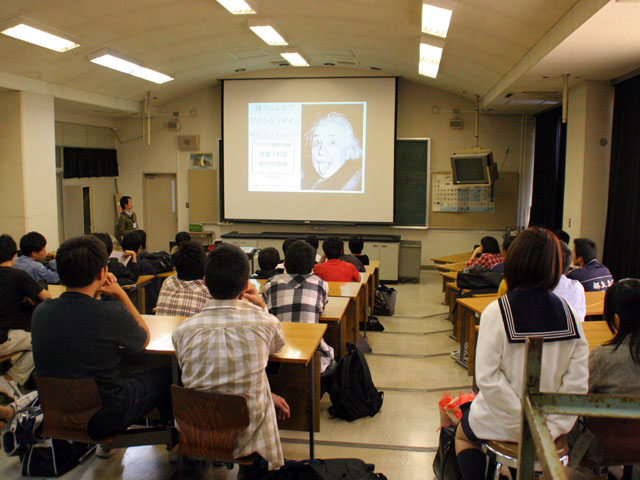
(76, 210)
(160, 210)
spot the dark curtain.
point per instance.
(548, 170)
(622, 238)
(89, 162)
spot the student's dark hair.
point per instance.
(562, 236)
(8, 248)
(182, 237)
(623, 298)
(333, 247)
(123, 201)
(356, 244)
(490, 245)
(32, 242)
(268, 258)
(313, 241)
(286, 244)
(189, 261)
(106, 239)
(142, 235)
(586, 249)
(226, 271)
(300, 258)
(534, 261)
(567, 256)
(507, 241)
(80, 260)
(131, 241)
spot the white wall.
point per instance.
(587, 167)
(415, 119)
(87, 135)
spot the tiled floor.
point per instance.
(410, 362)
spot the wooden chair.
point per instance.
(209, 423)
(506, 453)
(620, 439)
(69, 403)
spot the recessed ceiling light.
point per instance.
(430, 55)
(265, 29)
(435, 20)
(294, 58)
(117, 61)
(33, 32)
(238, 7)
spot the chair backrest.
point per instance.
(208, 422)
(620, 438)
(68, 404)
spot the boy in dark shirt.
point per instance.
(356, 244)
(126, 275)
(268, 260)
(78, 336)
(593, 276)
(16, 285)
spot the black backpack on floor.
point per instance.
(330, 469)
(353, 394)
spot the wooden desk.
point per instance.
(447, 277)
(374, 266)
(596, 332)
(353, 291)
(457, 258)
(595, 303)
(298, 379)
(335, 316)
(172, 273)
(452, 267)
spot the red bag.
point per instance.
(450, 413)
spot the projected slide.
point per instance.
(299, 147)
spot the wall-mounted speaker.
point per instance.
(189, 142)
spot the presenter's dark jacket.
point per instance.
(126, 223)
(593, 276)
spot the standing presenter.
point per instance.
(127, 221)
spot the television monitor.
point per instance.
(474, 168)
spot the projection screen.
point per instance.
(308, 150)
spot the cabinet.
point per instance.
(387, 253)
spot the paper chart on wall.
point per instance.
(448, 197)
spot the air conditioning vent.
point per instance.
(346, 62)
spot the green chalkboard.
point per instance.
(411, 169)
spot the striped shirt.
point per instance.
(299, 298)
(225, 349)
(182, 297)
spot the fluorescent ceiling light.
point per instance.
(110, 60)
(237, 7)
(266, 31)
(430, 55)
(29, 31)
(435, 20)
(294, 58)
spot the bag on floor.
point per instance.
(445, 464)
(331, 469)
(52, 457)
(353, 394)
(384, 300)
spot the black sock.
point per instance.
(472, 463)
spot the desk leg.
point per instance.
(352, 318)
(312, 403)
(142, 301)
(463, 319)
(472, 347)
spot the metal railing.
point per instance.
(536, 437)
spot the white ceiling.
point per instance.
(198, 42)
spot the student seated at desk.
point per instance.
(334, 269)
(285, 245)
(126, 275)
(356, 244)
(132, 247)
(300, 296)
(268, 260)
(33, 250)
(532, 269)
(506, 243)
(16, 285)
(487, 254)
(313, 241)
(180, 238)
(592, 275)
(226, 347)
(78, 336)
(184, 295)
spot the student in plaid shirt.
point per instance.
(186, 294)
(487, 254)
(300, 296)
(226, 347)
